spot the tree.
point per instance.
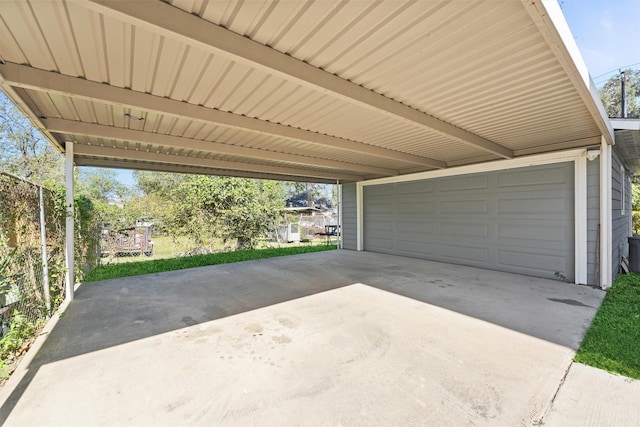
(610, 94)
(100, 184)
(157, 182)
(107, 195)
(206, 207)
(308, 194)
(24, 152)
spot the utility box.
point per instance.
(634, 254)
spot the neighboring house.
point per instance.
(467, 132)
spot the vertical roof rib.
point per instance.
(163, 18)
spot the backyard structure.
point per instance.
(131, 241)
(507, 163)
(305, 223)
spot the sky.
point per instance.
(607, 33)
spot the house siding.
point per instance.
(593, 220)
(620, 215)
(349, 216)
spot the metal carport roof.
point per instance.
(300, 90)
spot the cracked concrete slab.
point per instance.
(593, 397)
(333, 338)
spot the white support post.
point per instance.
(359, 217)
(45, 260)
(605, 215)
(580, 180)
(70, 249)
(339, 189)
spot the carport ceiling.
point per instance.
(298, 90)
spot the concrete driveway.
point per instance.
(334, 338)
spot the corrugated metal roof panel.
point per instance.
(481, 66)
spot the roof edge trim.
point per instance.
(548, 17)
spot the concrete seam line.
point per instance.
(546, 411)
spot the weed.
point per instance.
(561, 276)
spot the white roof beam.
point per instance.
(95, 130)
(33, 78)
(150, 156)
(172, 22)
(109, 163)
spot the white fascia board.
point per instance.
(575, 61)
(540, 159)
(625, 124)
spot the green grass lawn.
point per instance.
(612, 342)
(114, 271)
(172, 247)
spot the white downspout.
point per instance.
(70, 249)
(605, 215)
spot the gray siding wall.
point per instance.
(620, 215)
(349, 216)
(593, 219)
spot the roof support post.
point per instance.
(339, 196)
(580, 215)
(69, 232)
(605, 215)
(359, 216)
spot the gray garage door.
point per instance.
(516, 220)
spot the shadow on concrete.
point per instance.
(115, 312)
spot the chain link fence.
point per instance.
(31, 279)
(32, 259)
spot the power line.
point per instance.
(604, 78)
(624, 67)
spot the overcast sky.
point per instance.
(607, 33)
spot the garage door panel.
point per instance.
(518, 220)
(533, 261)
(420, 187)
(464, 207)
(534, 232)
(415, 247)
(464, 183)
(379, 244)
(380, 226)
(380, 206)
(464, 229)
(377, 190)
(415, 207)
(464, 253)
(534, 178)
(418, 227)
(534, 207)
